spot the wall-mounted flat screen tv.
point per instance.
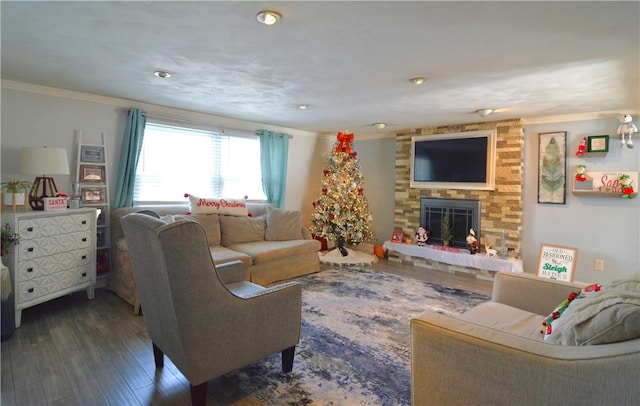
(454, 161)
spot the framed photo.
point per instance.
(91, 195)
(557, 262)
(397, 237)
(92, 174)
(91, 153)
(598, 143)
(552, 167)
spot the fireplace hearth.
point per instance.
(463, 215)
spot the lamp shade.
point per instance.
(44, 161)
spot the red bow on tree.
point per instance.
(345, 141)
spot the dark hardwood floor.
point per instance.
(74, 351)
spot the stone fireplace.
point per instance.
(463, 215)
(500, 210)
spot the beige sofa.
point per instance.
(268, 256)
(495, 354)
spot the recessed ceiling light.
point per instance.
(484, 112)
(379, 126)
(268, 17)
(162, 74)
(303, 106)
(417, 81)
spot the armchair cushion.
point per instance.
(283, 225)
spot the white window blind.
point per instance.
(177, 160)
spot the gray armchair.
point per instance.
(207, 319)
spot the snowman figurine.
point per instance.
(626, 131)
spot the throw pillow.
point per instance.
(283, 225)
(229, 207)
(600, 315)
(235, 230)
(210, 222)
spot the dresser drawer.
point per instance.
(43, 285)
(35, 268)
(46, 246)
(48, 226)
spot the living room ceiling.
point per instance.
(349, 61)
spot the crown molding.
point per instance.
(153, 109)
(598, 115)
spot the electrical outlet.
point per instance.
(599, 265)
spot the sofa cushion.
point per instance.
(283, 225)
(210, 222)
(222, 255)
(214, 205)
(505, 318)
(266, 251)
(235, 230)
(600, 315)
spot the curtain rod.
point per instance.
(188, 121)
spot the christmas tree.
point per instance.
(341, 212)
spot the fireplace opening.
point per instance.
(463, 215)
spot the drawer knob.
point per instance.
(84, 221)
(84, 274)
(30, 229)
(29, 269)
(84, 257)
(30, 290)
(30, 249)
(84, 239)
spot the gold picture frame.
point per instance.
(92, 174)
(93, 195)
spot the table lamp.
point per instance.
(43, 161)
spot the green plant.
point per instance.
(16, 186)
(446, 230)
(9, 239)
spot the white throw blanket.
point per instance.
(619, 292)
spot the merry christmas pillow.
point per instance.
(214, 205)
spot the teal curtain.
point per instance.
(131, 146)
(274, 151)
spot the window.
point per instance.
(178, 160)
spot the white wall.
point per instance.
(50, 117)
(600, 227)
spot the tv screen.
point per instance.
(453, 161)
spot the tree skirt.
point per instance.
(355, 258)
(355, 342)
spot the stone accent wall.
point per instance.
(501, 209)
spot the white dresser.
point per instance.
(56, 255)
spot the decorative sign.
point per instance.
(397, 237)
(557, 262)
(55, 203)
(610, 181)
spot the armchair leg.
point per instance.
(199, 394)
(158, 356)
(287, 359)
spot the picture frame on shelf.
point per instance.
(397, 236)
(92, 153)
(557, 262)
(93, 195)
(92, 174)
(552, 167)
(598, 143)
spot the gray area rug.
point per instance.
(355, 343)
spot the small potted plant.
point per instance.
(15, 189)
(9, 239)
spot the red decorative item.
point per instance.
(323, 242)
(582, 147)
(345, 141)
(324, 192)
(326, 173)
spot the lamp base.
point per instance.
(36, 202)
